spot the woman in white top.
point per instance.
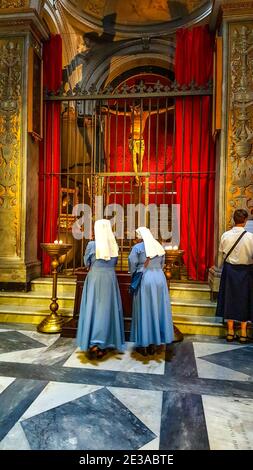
(235, 299)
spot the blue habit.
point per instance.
(151, 314)
(101, 314)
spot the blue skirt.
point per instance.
(235, 298)
(151, 315)
(101, 315)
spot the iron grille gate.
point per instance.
(116, 147)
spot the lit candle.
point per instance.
(175, 247)
(60, 242)
(56, 242)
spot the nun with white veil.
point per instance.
(151, 313)
(100, 325)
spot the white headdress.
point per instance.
(152, 246)
(106, 245)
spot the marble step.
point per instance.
(44, 284)
(28, 314)
(197, 325)
(194, 325)
(23, 299)
(193, 307)
(187, 324)
(41, 300)
(190, 304)
(178, 290)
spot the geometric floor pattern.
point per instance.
(98, 414)
(196, 395)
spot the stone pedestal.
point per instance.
(20, 32)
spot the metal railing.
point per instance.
(119, 145)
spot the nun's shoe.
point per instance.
(144, 352)
(243, 339)
(100, 353)
(230, 338)
(141, 350)
(92, 352)
(151, 349)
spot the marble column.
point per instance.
(21, 33)
(234, 177)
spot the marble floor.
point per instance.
(196, 395)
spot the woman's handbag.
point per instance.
(136, 279)
(135, 282)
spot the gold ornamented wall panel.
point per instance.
(240, 131)
(11, 59)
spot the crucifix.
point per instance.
(136, 141)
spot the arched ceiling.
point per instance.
(131, 18)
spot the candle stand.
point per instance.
(54, 322)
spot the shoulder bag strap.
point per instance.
(234, 245)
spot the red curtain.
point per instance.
(49, 158)
(194, 151)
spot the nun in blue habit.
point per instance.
(100, 323)
(151, 313)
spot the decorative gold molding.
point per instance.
(240, 135)
(237, 5)
(35, 94)
(14, 3)
(217, 86)
(22, 19)
(11, 54)
(237, 8)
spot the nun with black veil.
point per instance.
(100, 325)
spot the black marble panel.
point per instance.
(242, 389)
(180, 360)
(183, 423)
(15, 400)
(16, 341)
(239, 359)
(97, 421)
(58, 352)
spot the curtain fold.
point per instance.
(49, 152)
(194, 151)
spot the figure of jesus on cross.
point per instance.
(136, 141)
